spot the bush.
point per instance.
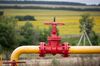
(1, 13)
(26, 18)
(20, 18)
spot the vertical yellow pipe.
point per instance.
(23, 50)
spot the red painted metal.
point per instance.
(54, 45)
(13, 63)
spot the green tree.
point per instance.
(7, 34)
(29, 35)
(87, 24)
(43, 34)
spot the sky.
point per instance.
(81, 1)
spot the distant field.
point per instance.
(70, 18)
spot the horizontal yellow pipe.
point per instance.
(73, 50)
(84, 49)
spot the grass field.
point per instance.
(70, 18)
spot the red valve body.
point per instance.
(54, 45)
(60, 49)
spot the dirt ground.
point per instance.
(69, 61)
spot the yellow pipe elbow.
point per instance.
(23, 50)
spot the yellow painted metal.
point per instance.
(24, 50)
(73, 50)
(84, 49)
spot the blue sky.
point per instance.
(82, 1)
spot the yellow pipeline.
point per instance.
(84, 49)
(73, 50)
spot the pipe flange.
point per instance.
(42, 49)
(65, 50)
